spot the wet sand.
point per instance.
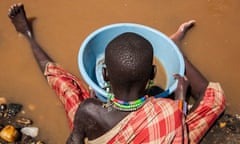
(60, 27)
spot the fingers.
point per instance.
(178, 77)
(92, 92)
(182, 80)
(182, 86)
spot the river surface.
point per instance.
(60, 26)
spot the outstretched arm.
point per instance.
(18, 17)
(40, 55)
(198, 83)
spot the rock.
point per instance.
(15, 129)
(9, 133)
(13, 109)
(30, 131)
(20, 122)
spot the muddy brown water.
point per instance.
(60, 27)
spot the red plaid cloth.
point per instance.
(202, 118)
(158, 121)
(68, 88)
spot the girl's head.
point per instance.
(129, 59)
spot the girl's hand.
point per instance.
(181, 91)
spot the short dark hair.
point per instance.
(129, 59)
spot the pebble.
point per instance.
(9, 133)
(23, 121)
(30, 131)
(15, 129)
(222, 124)
(237, 116)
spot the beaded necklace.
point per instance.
(127, 106)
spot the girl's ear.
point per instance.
(153, 73)
(105, 74)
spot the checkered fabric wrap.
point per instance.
(201, 119)
(159, 121)
(165, 128)
(68, 88)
